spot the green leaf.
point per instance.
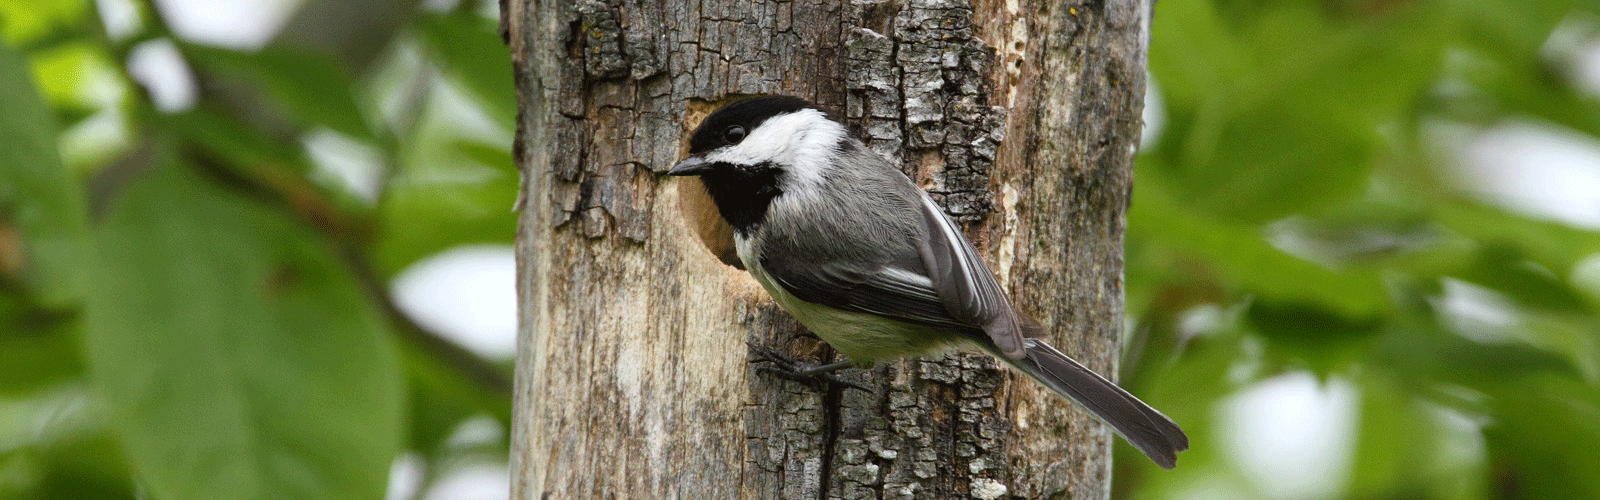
(444, 200)
(1241, 254)
(1278, 114)
(1573, 336)
(442, 397)
(38, 350)
(69, 75)
(1516, 36)
(1422, 352)
(496, 156)
(1542, 439)
(238, 358)
(1392, 438)
(22, 21)
(311, 86)
(230, 139)
(1502, 267)
(470, 50)
(1263, 164)
(39, 199)
(1322, 338)
(1553, 245)
(71, 457)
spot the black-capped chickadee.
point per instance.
(864, 258)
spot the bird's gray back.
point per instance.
(874, 216)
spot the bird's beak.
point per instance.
(692, 165)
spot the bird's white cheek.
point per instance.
(747, 153)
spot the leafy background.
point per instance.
(1362, 257)
(200, 295)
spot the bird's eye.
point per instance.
(733, 134)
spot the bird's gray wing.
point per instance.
(965, 285)
(942, 282)
(896, 289)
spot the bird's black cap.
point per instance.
(748, 113)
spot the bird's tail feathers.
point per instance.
(1151, 432)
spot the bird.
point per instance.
(861, 256)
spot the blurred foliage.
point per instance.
(1300, 211)
(193, 303)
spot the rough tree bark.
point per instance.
(1020, 116)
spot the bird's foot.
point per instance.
(783, 365)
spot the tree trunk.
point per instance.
(1019, 116)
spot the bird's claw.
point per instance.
(786, 366)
